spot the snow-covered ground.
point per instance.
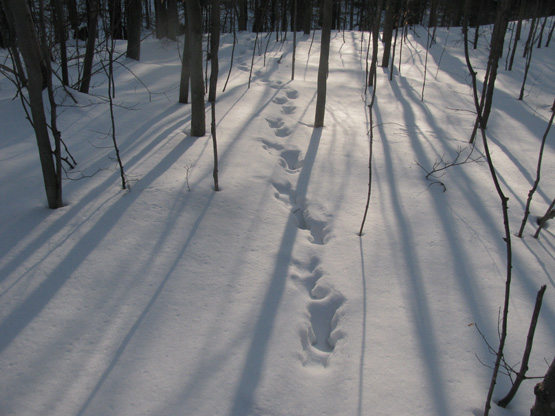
(261, 299)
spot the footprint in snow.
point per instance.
(306, 219)
(321, 334)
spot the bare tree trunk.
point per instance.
(34, 61)
(545, 394)
(323, 65)
(214, 49)
(93, 8)
(185, 68)
(517, 32)
(388, 31)
(375, 34)
(198, 117)
(497, 41)
(116, 27)
(496, 50)
(505, 210)
(172, 19)
(61, 35)
(133, 10)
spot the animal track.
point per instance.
(306, 220)
(290, 158)
(275, 122)
(323, 311)
(283, 131)
(280, 100)
(292, 93)
(319, 337)
(288, 109)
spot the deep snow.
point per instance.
(261, 299)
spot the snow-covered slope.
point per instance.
(261, 299)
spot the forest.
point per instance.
(285, 207)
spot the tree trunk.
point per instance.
(242, 16)
(545, 394)
(185, 68)
(307, 19)
(324, 64)
(61, 35)
(375, 34)
(388, 31)
(214, 49)
(34, 61)
(133, 10)
(93, 8)
(198, 118)
(116, 26)
(172, 19)
(73, 16)
(497, 41)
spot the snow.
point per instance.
(261, 299)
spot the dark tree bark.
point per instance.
(61, 36)
(214, 49)
(324, 64)
(133, 10)
(172, 19)
(545, 394)
(161, 17)
(71, 6)
(307, 18)
(496, 51)
(388, 31)
(116, 16)
(3, 29)
(518, 31)
(34, 62)
(242, 15)
(7, 30)
(93, 8)
(198, 117)
(497, 41)
(186, 68)
(375, 34)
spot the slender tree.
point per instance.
(324, 64)
(61, 37)
(93, 8)
(388, 30)
(198, 117)
(35, 63)
(496, 50)
(375, 34)
(214, 49)
(133, 11)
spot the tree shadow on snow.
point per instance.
(244, 398)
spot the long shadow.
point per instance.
(127, 339)
(420, 309)
(466, 275)
(24, 314)
(75, 209)
(250, 378)
(459, 255)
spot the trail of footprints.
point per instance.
(319, 337)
